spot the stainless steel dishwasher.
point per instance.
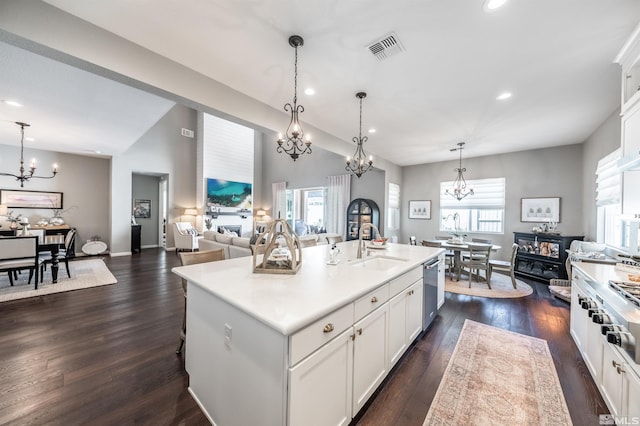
(430, 292)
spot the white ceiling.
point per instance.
(555, 56)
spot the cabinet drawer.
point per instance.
(398, 284)
(371, 301)
(310, 338)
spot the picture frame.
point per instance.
(420, 209)
(18, 199)
(540, 210)
(142, 209)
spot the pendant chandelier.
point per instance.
(22, 177)
(459, 190)
(293, 142)
(360, 164)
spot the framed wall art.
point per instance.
(420, 209)
(540, 210)
(15, 199)
(142, 209)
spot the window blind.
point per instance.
(608, 180)
(487, 194)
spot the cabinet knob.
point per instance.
(410, 292)
(328, 328)
(359, 332)
(374, 299)
(620, 370)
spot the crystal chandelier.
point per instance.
(359, 167)
(22, 177)
(293, 142)
(459, 190)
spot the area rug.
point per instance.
(501, 287)
(84, 274)
(498, 377)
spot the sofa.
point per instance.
(235, 246)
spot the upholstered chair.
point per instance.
(185, 236)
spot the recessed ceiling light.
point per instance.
(503, 96)
(372, 130)
(491, 5)
(12, 103)
(309, 91)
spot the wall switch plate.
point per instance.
(227, 335)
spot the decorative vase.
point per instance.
(57, 220)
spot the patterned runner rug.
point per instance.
(84, 274)
(497, 377)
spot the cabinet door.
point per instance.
(397, 328)
(633, 395)
(405, 320)
(414, 311)
(594, 347)
(441, 270)
(320, 386)
(369, 355)
(578, 325)
(631, 145)
(611, 386)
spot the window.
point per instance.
(482, 212)
(611, 230)
(307, 209)
(393, 211)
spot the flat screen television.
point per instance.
(227, 193)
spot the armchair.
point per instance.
(185, 236)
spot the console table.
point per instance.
(136, 237)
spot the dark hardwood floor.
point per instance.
(106, 355)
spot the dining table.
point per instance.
(457, 248)
(52, 243)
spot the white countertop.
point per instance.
(287, 303)
(601, 272)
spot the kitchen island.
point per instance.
(309, 348)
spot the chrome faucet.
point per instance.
(360, 241)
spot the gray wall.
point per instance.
(312, 171)
(84, 182)
(161, 151)
(144, 187)
(551, 172)
(603, 141)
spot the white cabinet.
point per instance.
(405, 320)
(620, 386)
(369, 355)
(594, 347)
(441, 270)
(320, 386)
(578, 325)
(611, 386)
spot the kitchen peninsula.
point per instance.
(309, 348)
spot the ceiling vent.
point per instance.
(386, 47)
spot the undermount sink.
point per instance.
(378, 262)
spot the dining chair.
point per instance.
(478, 260)
(505, 266)
(308, 242)
(17, 253)
(64, 254)
(477, 240)
(192, 258)
(334, 239)
(448, 260)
